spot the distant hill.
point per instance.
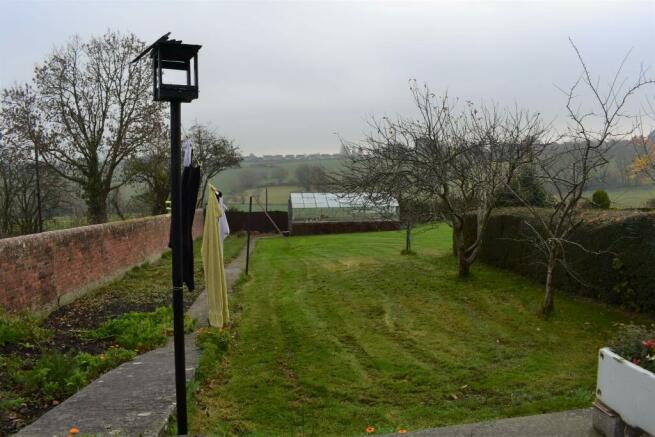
(256, 174)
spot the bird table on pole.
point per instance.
(169, 54)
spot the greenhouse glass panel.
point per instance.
(339, 207)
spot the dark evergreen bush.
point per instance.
(529, 190)
(601, 199)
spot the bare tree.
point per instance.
(96, 109)
(19, 202)
(9, 187)
(23, 121)
(248, 178)
(151, 170)
(213, 153)
(310, 176)
(279, 174)
(377, 170)
(459, 160)
(566, 168)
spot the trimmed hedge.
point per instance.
(623, 275)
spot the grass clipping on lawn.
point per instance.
(340, 334)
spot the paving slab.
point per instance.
(573, 423)
(138, 397)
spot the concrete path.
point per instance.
(136, 398)
(574, 423)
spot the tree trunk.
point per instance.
(408, 238)
(464, 265)
(96, 201)
(460, 250)
(549, 298)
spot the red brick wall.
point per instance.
(314, 228)
(40, 271)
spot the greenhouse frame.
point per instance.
(315, 208)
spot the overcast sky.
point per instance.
(285, 77)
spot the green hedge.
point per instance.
(623, 275)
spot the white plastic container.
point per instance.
(627, 389)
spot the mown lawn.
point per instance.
(333, 334)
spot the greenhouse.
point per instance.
(308, 208)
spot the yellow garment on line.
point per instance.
(212, 260)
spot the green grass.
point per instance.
(278, 198)
(333, 334)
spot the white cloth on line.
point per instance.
(223, 226)
(187, 153)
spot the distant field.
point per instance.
(278, 195)
(228, 180)
(628, 197)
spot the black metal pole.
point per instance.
(39, 214)
(176, 247)
(266, 207)
(248, 240)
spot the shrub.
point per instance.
(601, 199)
(636, 343)
(528, 187)
(141, 331)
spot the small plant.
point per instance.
(10, 404)
(57, 375)
(141, 331)
(600, 199)
(54, 375)
(15, 329)
(636, 343)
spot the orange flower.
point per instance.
(402, 431)
(73, 431)
(370, 429)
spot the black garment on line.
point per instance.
(190, 187)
